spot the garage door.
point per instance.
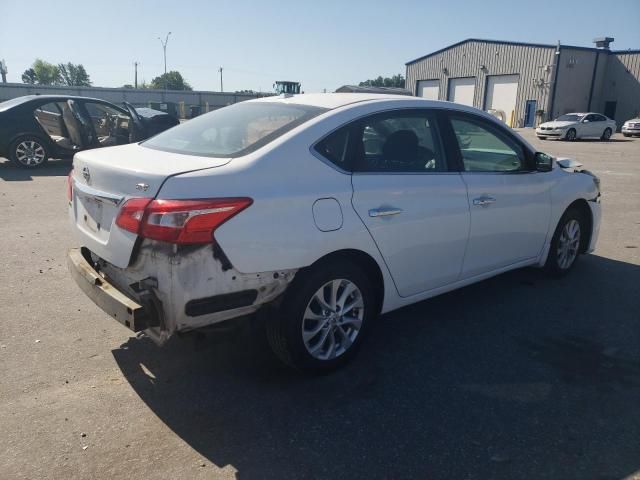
(429, 89)
(502, 91)
(461, 90)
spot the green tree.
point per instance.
(396, 81)
(171, 81)
(46, 73)
(74, 75)
(29, 76)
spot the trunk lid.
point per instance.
(103, 179)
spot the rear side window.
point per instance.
(403, 142)
(484, 149)
(334, 148)
(235, 130)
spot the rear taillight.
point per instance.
(70, 186)
(178, 221)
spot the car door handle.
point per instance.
(484, 200)
(384, 212)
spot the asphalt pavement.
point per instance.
(519, 376)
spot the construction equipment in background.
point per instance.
(286, 87)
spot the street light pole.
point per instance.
(220, 70)
(164, 49)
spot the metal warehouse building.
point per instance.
(528, 83)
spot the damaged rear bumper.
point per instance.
(125, 310)
(167, 289)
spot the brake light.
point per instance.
(178, 221)
(70, 186)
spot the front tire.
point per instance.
(323, 317)
(571, 135)
(566, 243)
(606, 135)
(28, 151)
(626, 134)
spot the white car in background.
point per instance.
(324, 210)
(631, 127)
(572, 126)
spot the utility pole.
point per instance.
(220, 70)
(164, 49)
(135, 66)
(3, 70)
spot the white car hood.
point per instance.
(556, 124)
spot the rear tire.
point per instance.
(571, 135)
(313, 333)
(28, 151)
(626, 134)
(606, 135)
(566, 243)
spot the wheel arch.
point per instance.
(363, 260)
(582, 206)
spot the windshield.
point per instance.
(569, 117)
(233, 131)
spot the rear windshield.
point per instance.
(233, 131)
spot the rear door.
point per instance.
(415, 208)
(509, 201)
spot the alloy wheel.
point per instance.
(30, 153)
(568, 244)
(571, 135)
(333, 319)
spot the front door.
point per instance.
(610, 110)
(530, 114)
(415, 209)
(510, 203)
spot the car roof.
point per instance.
(29, 98)
(336, 100)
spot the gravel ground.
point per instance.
(518, 376)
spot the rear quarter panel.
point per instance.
(278, 232)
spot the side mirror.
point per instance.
(586, 120)
(544, 162)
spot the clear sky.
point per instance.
(322, 43)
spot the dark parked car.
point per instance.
(35, 128)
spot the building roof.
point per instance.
(522, 44)
(365, 89)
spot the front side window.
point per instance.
(484, 149)
(235, 130)
(399, 142)
(107, 122)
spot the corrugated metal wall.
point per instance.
(622, 85)
(531, 63)
(575, 72)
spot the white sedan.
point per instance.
(572, 126)
(631, 127)
(322, 210)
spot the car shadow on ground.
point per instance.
(593, 140)
(54, 168)
(519, 373)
